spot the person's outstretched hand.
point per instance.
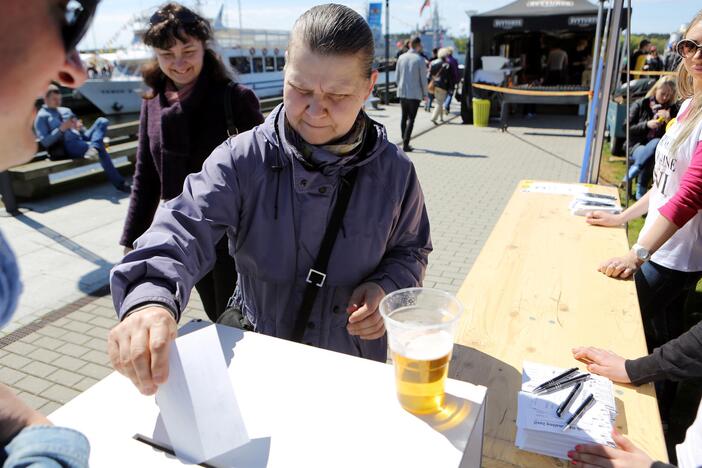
(365, 320)
(602, 362)
(603, 218)
(626, 455)
(15, 415)
(139, 345)
(620, 267)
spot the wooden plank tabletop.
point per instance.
(533, 294)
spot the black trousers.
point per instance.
(662, 296)
(217, 286)
(409, 113)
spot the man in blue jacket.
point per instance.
(37, 43)
(57, 126)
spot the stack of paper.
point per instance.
(540, 430)
(587, 202)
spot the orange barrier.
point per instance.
(527, 92)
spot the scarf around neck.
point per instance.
(340, 151)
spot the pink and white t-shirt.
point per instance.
(683, 251)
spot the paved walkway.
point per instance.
(56, 349)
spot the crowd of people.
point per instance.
(229, 203)
(420, 78)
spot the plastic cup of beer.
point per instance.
(421, 325)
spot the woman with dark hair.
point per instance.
(184, 118)
(324, 214)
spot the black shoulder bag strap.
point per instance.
(317, 275)
(229, 111)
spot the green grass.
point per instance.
(611, 173)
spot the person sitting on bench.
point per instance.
(63, 135)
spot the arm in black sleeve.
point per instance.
(146, 188)
(637, 128)
(678, 359)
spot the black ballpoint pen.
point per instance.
(563, 384)
(571, 398)
(557, 378)
(589, 401)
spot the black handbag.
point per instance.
(234, 317)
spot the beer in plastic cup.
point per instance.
(421, 325)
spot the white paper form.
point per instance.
(197, 403)
(554, 188)
(539, 427)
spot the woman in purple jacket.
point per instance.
(272, 191)
(183, 119)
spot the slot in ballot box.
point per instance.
(302, 406)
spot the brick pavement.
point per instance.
(467, 174)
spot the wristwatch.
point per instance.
(641, 252)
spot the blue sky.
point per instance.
(649, 16)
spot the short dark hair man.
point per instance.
(57, 126)
(411, 74)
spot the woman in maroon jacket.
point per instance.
(183, 119)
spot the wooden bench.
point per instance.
(534, 293)
(36, 178)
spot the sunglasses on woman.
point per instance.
(687, 48)
(184, 16)
(77, 16)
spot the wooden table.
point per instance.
(533, 294)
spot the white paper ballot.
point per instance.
(197, 403)
(554, 188)
(540, 429)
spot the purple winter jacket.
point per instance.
(275, 210)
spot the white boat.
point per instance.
(256, 56)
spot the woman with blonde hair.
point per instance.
(667, 259)
(441, 75)
(648, 118)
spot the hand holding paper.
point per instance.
(198, 404)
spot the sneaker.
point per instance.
(407, 148)
(92, 154)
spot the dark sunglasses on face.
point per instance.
(687, 48)
(184, 16)
(78, 14)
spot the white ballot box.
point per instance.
(301, 407)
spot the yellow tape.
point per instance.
(650, 73)
(525, 92)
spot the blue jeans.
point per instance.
(447, 101)
(642, 167)
(429, 101)
(77, 144)
(46, 447)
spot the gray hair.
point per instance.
(333, 29)
(443, 53)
